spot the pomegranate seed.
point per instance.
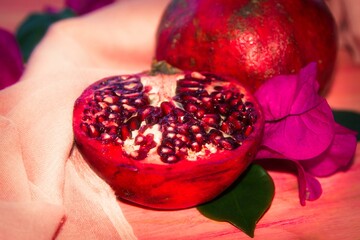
(145, 113)
(195, 129)
(129, 108)
(228, 143)
(182, 129)
(178, 143)
(226, 128)
(111, 99)
(241, 108)
(248, 130)
(191, 107)
(84, 127)
(228, 95)
(103, 105)
(189, 83)
(199, 138)
(200, 113)
(207, 104)
(171, 159)
(212, 120)
(133, 123)
(236, 124)
(133, 86)
(170, 135)
(235, 102)
(111, 130)
(118, 141)
(190, 99)
(188, 90)
(217, 96)
(179, 112)
(93, 131)
(115, 108)
(166, 150)
(166, 107)
(105, 136)
(124, 101)
(195, 146)
(170, 129)
(131, 95)
(139, 102)
(223, 109)
(154, 117)
(182, 137)
(86, 118)
(124, 132)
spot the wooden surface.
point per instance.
(336, 215)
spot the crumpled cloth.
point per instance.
(47, 190)
(347, 17)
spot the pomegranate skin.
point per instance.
(249, 40)
(155, 184)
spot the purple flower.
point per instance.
(84, 6)
(11, 64)
(299, 127)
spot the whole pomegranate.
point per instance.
(167, 141)
(251, 40)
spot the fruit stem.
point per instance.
(163, 67)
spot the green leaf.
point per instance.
(348, 119)
(244, 203)
(34, 27)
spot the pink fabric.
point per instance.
(47, 190)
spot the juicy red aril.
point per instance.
(206, 112)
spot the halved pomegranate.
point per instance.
(167, 141)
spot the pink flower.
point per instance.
(11, 65)
(299, 127)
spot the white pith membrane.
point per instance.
(158, 94)
(159, 88)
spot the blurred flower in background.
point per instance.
(84, 6)
(16, 49)
(11, 65)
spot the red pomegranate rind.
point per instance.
(167, 141)
(249, 40)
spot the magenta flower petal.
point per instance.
(300, 128)
(309, 187)
(299, 124)
(306, 94)
(302, 136)
(338, 157)
(84, 6)
(286, 95)
(11, 65)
